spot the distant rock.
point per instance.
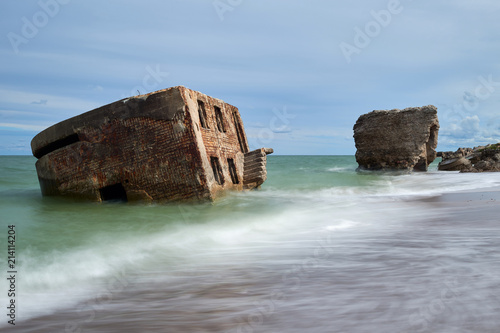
(455, 164)
(478, 159)
(455, 160)
(461, 152)
(397, 139)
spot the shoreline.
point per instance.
(480, 196)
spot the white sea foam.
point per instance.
(342, 225)
(105, 262)
(340, 169)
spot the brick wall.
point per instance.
(158, 157)
(220, 144)
(149, 147)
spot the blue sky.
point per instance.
(300, 72)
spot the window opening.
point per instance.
(202, 114)
(58, 144)
(220, 119)
(219, 177)
(232, 171)
(239, 133)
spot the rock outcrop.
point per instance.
(455, 160)
(478, 159)
(397, 139)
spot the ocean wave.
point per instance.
(340, 169)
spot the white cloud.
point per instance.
(21, 114)
(466, 128)
(467, 132)
(24, 127)
(25, 98)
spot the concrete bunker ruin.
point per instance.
(174, 144)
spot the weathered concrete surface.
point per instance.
(173, 144)
(478, 159)
(255, 173)
(397, 139)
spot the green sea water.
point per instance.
(320, 248)
(60, 224)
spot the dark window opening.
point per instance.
(58, 144)
(239, 133)
(114, 192)
(220, 119)
(219, 177)
(202, 114)
(232, 171)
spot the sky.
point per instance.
(300, 72)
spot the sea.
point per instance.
(319, 248)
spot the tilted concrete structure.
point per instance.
(170, 145)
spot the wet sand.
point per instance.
(474, 198)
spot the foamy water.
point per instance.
(320, 248)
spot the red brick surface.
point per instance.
(152, 154)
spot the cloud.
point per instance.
(468, 127)
(24, 127)
(40, 102)
(467, 132)
(283, 129)
(319, 141)
(4, 114)
(19, 97)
